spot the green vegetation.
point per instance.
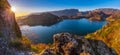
(110, 33)
(20, 43)
(26, 45)
(38, 47)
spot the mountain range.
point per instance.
(53, 17)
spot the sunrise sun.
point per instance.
(13, 9)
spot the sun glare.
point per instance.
(13, 9)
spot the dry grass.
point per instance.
(110, 34)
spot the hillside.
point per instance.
(114, 17)
(98, 14)
(110, 33)
(108, 11)
(39, 19)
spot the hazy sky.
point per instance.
(28, 6)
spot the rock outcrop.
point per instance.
(68, 44)
(8, 25)
(8, 28)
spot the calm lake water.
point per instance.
(45, 34)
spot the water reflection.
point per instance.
(78, 26)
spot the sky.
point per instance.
(24, 7)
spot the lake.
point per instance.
(44, 34)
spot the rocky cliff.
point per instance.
(68, 44)
(8, 25)
(8, 28)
